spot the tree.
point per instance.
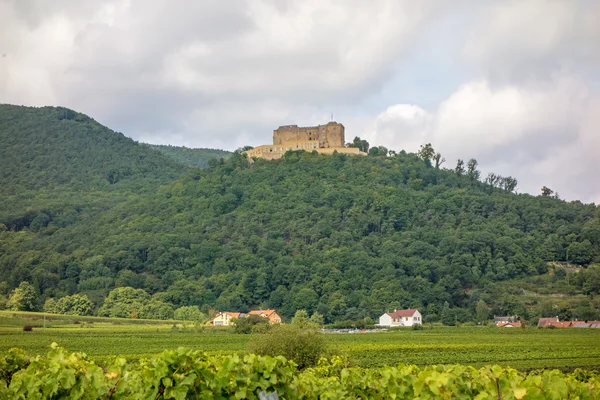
(472, 171)
(546, 191)
(155, 309)
(439, 160)
(317, 319)
(124, 302)
(190, 313)
(301, 319)
(580, 252)
(73, 305)
(482, 312)
(23, 298)
(304, 347)
(509, 184)
(448, 316)
(246, 325)
(426, 152)
(460, 167)
(493, 180)
(360, 144)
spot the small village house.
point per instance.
(401, 318)
(271, 315)
(502, 321)
(224, 318)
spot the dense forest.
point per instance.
(86, 210)
(190, 157)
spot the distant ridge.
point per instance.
(192, 157)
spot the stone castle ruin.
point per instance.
(324, 139)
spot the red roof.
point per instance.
(543, 322)
(403, 313)
(266, 313)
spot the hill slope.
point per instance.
(190, 157)
(346, 236)
(54, 146)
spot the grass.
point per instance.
(524, 349)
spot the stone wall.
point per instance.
(326, 136)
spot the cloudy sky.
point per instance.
(514, 84)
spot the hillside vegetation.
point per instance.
(348, 237)
(190, 157)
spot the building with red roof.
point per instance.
(408, 317)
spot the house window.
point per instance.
(406, 318)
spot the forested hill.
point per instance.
(49, 147)
(190, 157)
(349, 237)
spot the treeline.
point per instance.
(191, 157)
(348, 237)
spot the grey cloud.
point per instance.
(224, 74)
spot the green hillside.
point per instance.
(54, 146)
(349, 237)
(191, 157)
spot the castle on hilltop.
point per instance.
(324, 139)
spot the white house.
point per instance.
(401, 318)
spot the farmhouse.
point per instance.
(401, 318)
(224, 318)
(271, 315)
(516, 324)
(505, 320)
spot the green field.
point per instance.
(524, 349)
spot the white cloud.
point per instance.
(401, 125)
(543, 134)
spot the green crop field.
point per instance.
(523, 349)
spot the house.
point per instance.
(516, 324)
(401, 318)
(504, 320)
(271, 315)
(548, 322)
(224, 318)
(545, 322)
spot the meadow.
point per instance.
(523, 349)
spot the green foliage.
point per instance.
(23, 298)
(190, 313)
(86, 210)
(41, 149)
(125, 302)
(304, 346)
(70, 305)
(184, 373)
(360, 144)
(191, 157)
(247, 325)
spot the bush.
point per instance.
(246, 325)
(304, 347)
(27, 328)
(417, 327)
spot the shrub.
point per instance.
(246, 325)
(27, 328)
(304, 347)
(417, 327)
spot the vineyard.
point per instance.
(182, 373)
(523, 349)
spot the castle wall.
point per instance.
(324, 139)
(330, 135)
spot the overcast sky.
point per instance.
(514, 84)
